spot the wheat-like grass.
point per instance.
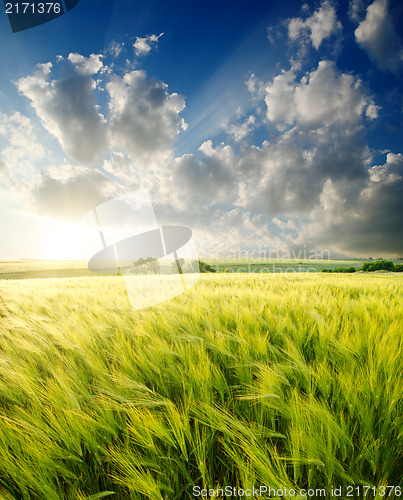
(283, 380)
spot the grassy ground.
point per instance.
(281, 380)
(22, 269)
(282, 265)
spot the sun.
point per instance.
(64, 243)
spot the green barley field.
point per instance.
(285, 380)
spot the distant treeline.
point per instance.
(382, 265)
(340, 270)
(152, 266)
(378, 265)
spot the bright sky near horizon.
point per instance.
(261, 125)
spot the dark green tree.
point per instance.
(146, 266)
(378, 265)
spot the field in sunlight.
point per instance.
(285, 380)
(26, 268)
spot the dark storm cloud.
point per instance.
(364, 221)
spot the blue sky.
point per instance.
(264, 126)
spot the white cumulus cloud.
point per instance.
(68, 193)
(376, 34)
(86, 65)
(144, 115)
(320, 25)
(322, 97)
(240, 131)
(140, 117)
(312, 183)
(67, 107)
(142, 46)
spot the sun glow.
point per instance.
(65, 242)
